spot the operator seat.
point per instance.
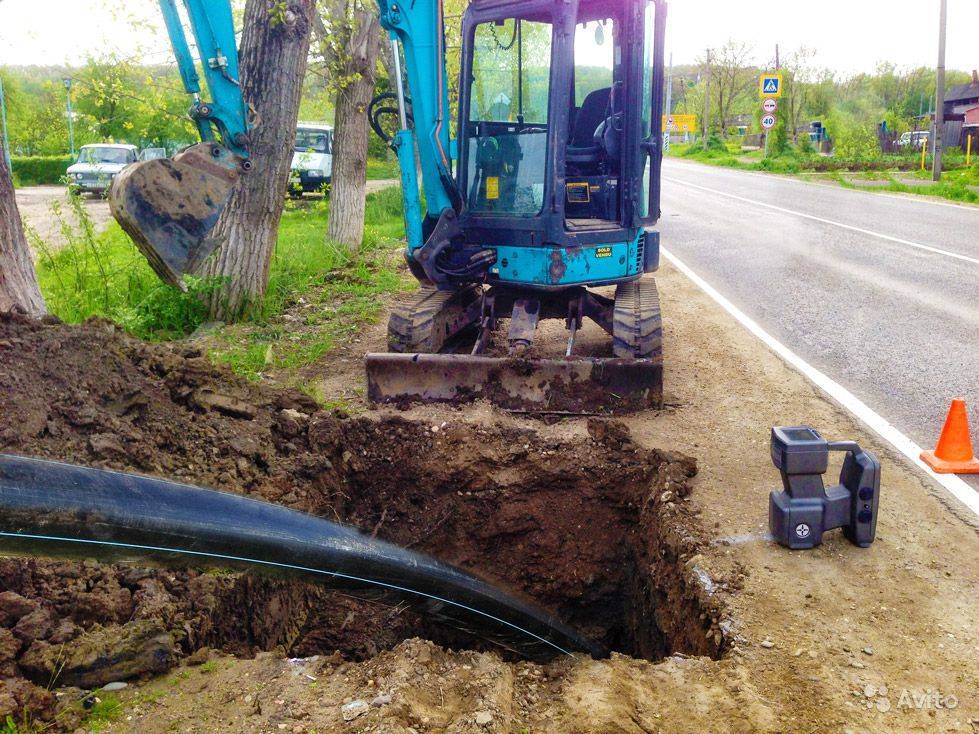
(584, 146)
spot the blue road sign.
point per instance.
(770, 85)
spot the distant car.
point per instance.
(312, 158)
(914, 139)
(98, 164)
(152, 154)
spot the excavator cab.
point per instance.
(559, 139)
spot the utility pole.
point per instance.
(707, 102)
(3, 119)
(71, 122)
(936, 171)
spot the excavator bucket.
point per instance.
(170, 205)
(575, 385)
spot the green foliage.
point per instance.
(778, 139)
(103, 275)
(327, 291)
(382, 167)
(36, 170)
(114, 100)
(106, 709)
(853, 138)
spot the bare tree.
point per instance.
(732, 76)
(802, 79)
(274, 47)
(348, 35)
(18, 282)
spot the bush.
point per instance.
(40, 169)
(853, 139)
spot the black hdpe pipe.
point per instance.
(48, 508)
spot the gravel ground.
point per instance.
(34, 203)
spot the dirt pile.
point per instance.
(595, 529)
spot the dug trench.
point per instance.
(594, 529)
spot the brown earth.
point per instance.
(831, 640)
(489, 499)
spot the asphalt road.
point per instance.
(879, 292)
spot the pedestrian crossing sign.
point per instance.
(770, 85)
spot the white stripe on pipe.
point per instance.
(953, 484)
(821, 220)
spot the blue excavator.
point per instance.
(541, 195)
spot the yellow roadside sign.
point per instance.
(770, 86)
(680, 123)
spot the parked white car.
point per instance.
(312, 159)
(915, 139)
(98, 164)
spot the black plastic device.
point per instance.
(805, 509)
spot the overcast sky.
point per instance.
(849, 35)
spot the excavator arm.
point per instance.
(170, 206)
(214, 34)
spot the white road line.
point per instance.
(955, 486)
(868, 232)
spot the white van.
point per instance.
(312, 159)
(98, 164)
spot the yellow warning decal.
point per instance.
(603, 252)
(492, 187)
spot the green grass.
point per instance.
(103, 274)
(324, 298)
(318, 292)
(955, 184)
(106, 709)
(379, 168)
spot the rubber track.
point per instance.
(421, 322)
(637, 324)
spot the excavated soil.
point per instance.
(595, 529)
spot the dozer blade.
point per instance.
(572, 385)
(170, 205)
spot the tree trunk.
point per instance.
(350, 140)
(274, 47)
(18, 282)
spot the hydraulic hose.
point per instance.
(61, 510)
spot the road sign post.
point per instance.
(769, 90)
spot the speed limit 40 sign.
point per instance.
(768, 122)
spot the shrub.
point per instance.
(40, 169)
(853, 139)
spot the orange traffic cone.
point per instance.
(953, 454)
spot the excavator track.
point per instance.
(415, 371)
(424, 321)
(637, 324)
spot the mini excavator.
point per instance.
(548, 190)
